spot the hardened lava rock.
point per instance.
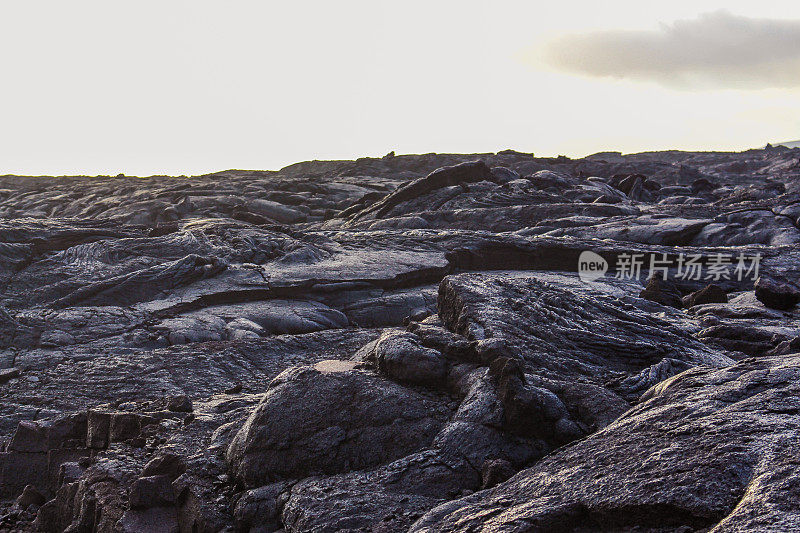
(404, 344)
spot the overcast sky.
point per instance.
(188, 87)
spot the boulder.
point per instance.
(151, 491)
(179, 404)
(662, 291)
(564, 327)
(329, 418)
(471, 172)
(777, 293)
(30, 496)
(400, 357)
(710, 294)
(166, 464)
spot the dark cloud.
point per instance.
(714, 50)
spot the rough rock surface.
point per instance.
(331, 418)
(710, 449)
(405, 343)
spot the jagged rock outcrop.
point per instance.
(707, 450)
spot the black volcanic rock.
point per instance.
(777, 294)
(403, 343)
(330, 418)
(718, 444)
(444, 177)
(711, 294)
(662, 291)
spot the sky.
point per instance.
(189, 87)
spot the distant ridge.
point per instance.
(788, 144)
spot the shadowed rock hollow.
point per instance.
(404, 344)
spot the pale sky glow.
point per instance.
(188, 87)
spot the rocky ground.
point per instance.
(404, 344)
